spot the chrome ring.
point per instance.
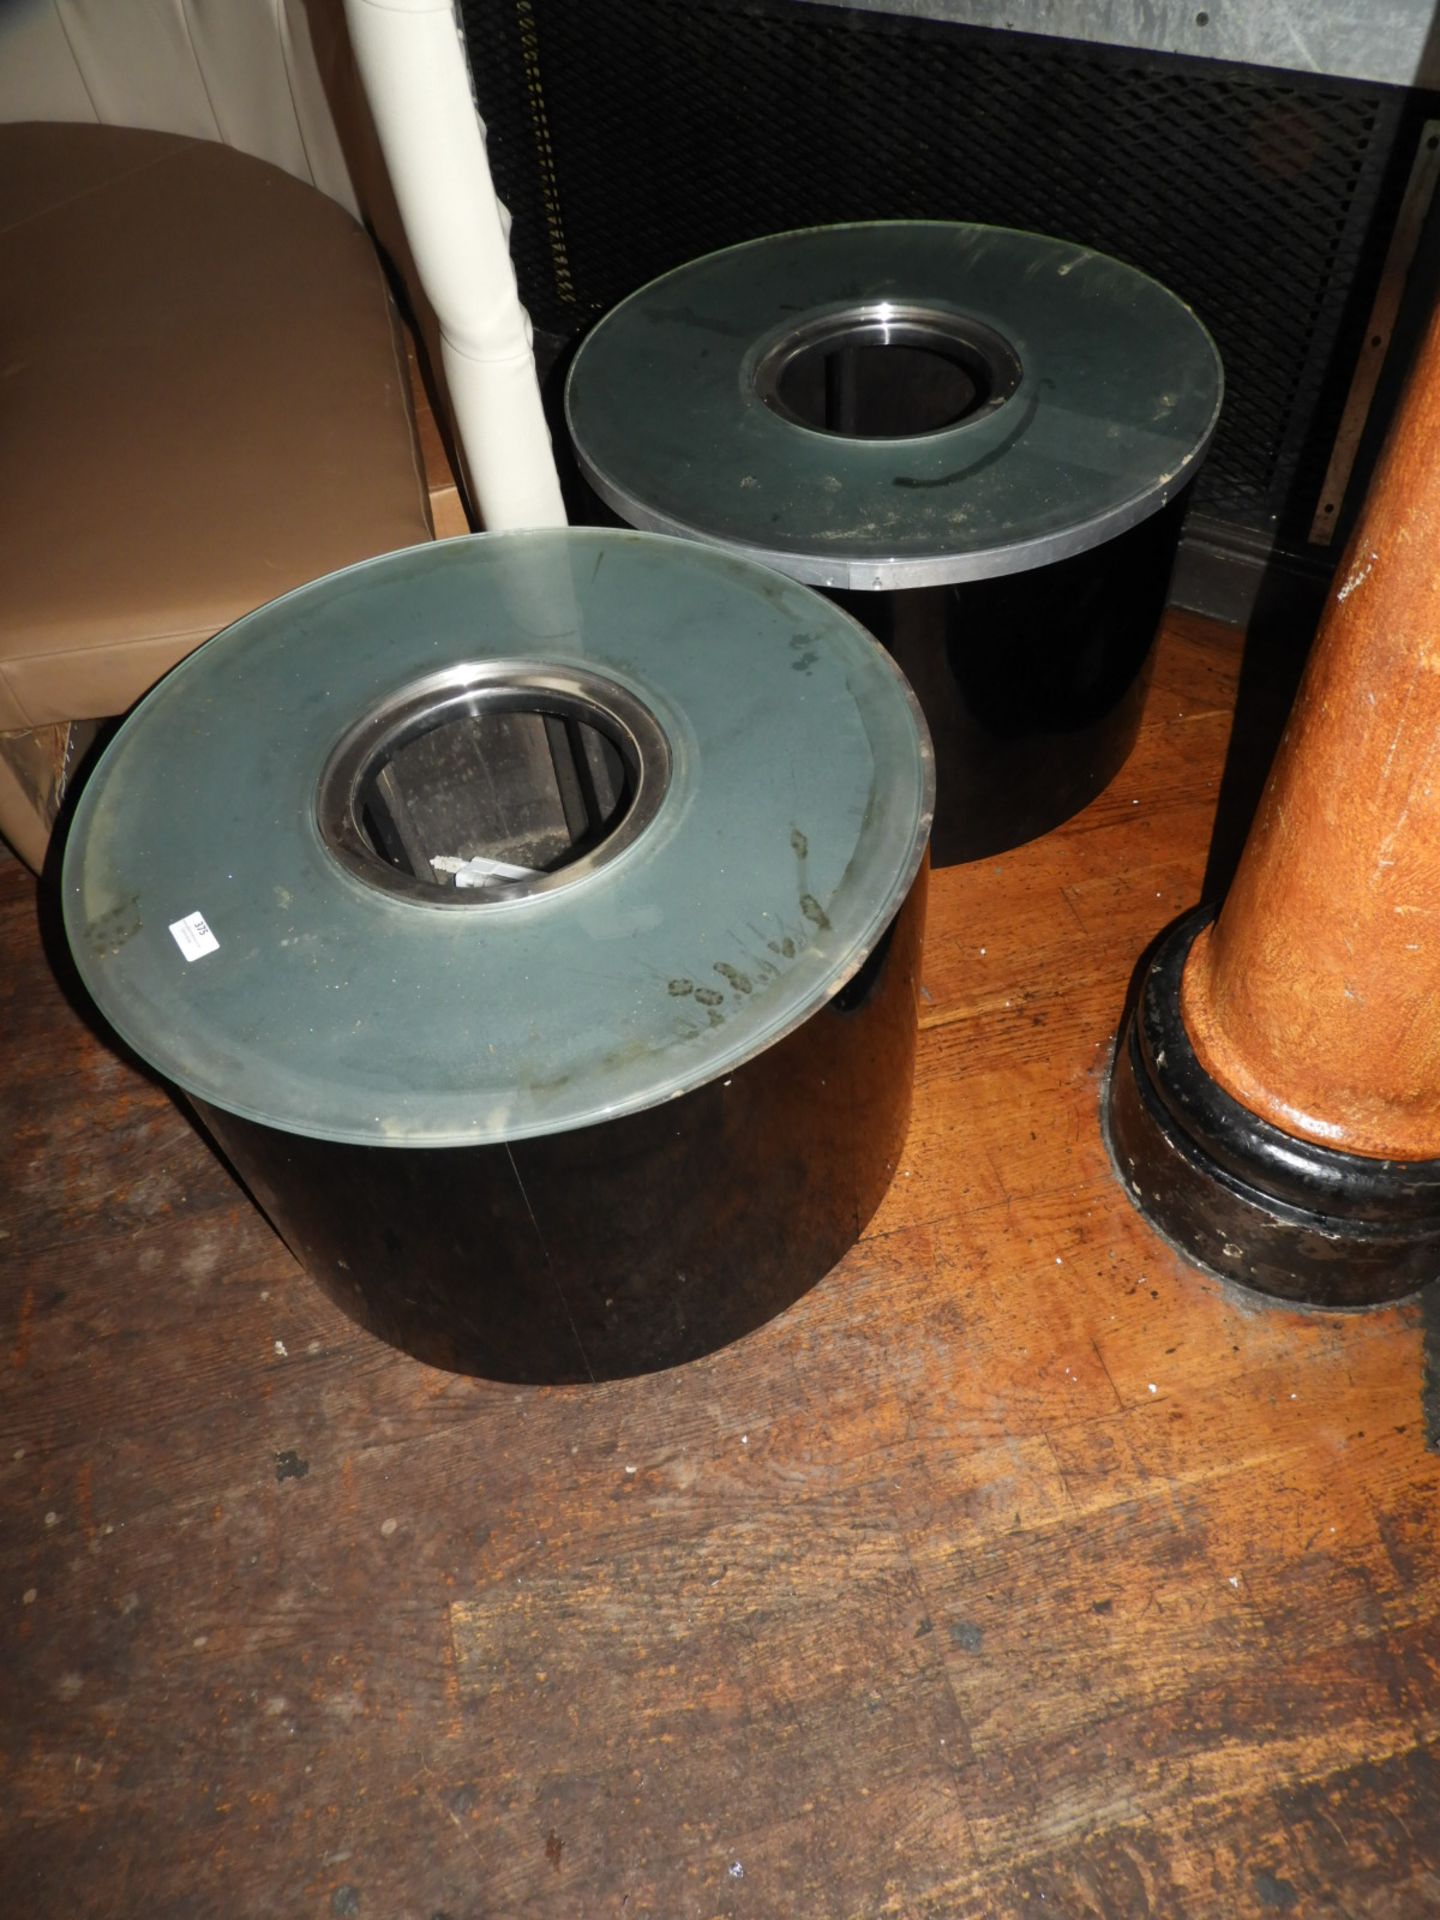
(464, 691)
(977, 351)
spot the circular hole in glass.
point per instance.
(492, 783)
(887, 372)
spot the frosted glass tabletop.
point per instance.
(1082, 396)
(224, 939)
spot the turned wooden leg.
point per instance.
(1275, 1107)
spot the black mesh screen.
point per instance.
(628, 136)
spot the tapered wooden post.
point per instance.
(1275, 1107)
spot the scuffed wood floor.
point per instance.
(1018, 1570)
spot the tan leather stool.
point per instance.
(204, 403)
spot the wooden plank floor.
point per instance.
(1017, 1570)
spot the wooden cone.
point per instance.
(1315, 999)
(1276, 1102)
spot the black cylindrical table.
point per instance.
(534, 920)
(978, 440)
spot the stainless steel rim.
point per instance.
(984, 356)
(816, 568)
(466, 690)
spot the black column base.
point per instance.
(1240, 1198)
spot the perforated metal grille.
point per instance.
(628, 136)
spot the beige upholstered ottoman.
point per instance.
(203, 403)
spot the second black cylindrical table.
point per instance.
(978, 440)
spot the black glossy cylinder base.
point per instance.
(625, 1247)
(1033, 684)
(1237, 1196)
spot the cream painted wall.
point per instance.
(272, 77)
